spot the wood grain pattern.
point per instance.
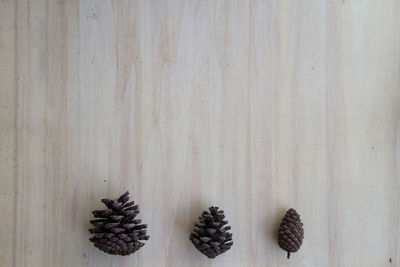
(253, 106)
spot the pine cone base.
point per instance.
(117, 232)
(210, 235)
(291, 232)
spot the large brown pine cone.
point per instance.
(117, 232)
(210, 236)
(291, 232)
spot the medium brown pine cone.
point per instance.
(291, 232)
(117, 232)
(210, 236)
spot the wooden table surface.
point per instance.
(253, 106)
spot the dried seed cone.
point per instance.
(291, 232)
(117, 232)
(210, 235)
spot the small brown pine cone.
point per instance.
(210, 235)
(117, 232)
(291, 232)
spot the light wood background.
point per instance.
(253, 106)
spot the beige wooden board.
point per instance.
(253, 106)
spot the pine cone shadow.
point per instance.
(92, 203)
(278, 219)
(87, 205)
(185, 225)
(193, 211)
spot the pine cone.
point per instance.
(117, 232)
(291, 232)
(210, 236)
